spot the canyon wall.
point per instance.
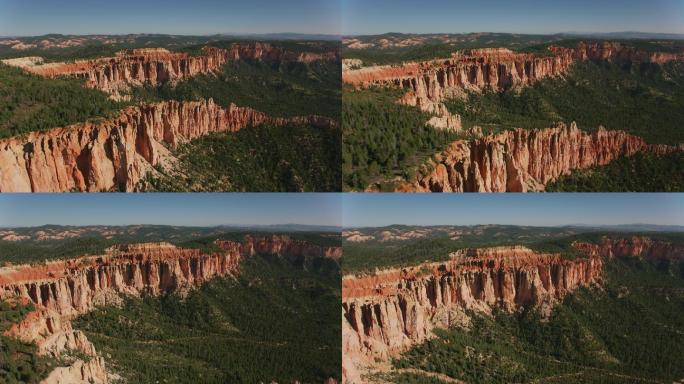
(386, 312)
(117, 153)
(158, 66)
(522, 160)
(282, 246)
(636, 246)
(429, 83)
(64, 289)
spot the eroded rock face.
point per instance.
(117, 153)
(385, 313)
(158, 66)
(522, 160)
(62, 290)
(496, 69)
(636, 246)
(283, 246)
(429, 83)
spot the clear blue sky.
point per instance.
(189, 209)
(188, 17)
(519, 16)
(552, 209)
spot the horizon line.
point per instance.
(171, 225)
(518, 225)
(341, 226)
(208, 34)
(512, 33)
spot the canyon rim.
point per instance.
(482, 303)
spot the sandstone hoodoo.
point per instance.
(62, 290)
(386, 312)
(158, 66)
(524, 160)
(117, 153)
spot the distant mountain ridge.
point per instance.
(288, 227)
(636, 227)
(264, 36)
(570, 34)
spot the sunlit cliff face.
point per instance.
(386, 312)
(64, 289)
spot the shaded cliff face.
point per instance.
(62, 290)
(636, 246)
(387, 312)
(158, 66)
(282, 246)
(117, 153)
(523, 160)
(429, 83)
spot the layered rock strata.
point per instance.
(429, 83)
(522, 160)
(158, 66)
(385, 313)
(117, 153)
(62, 290)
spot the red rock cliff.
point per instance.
(158, 66)
(117, 153)
(524, 160)
(496, 69)
(385, 313)
(429, 83)
(62, 290)
(635, 246)
(282, 246)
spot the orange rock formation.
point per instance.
(524, 160)
(62, 290)
(385, 313)
(429, 83)
(117, 153)
(157, 66)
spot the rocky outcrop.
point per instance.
(158, 66)
(615, 51)
(429, 83)
(388, 311)
(522, 160)
(62, 290)
(653, 250)
(117, 153)
(282, 246)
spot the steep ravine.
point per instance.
(62, 290)
(117, 153)
(523, 160)
(385, 313)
